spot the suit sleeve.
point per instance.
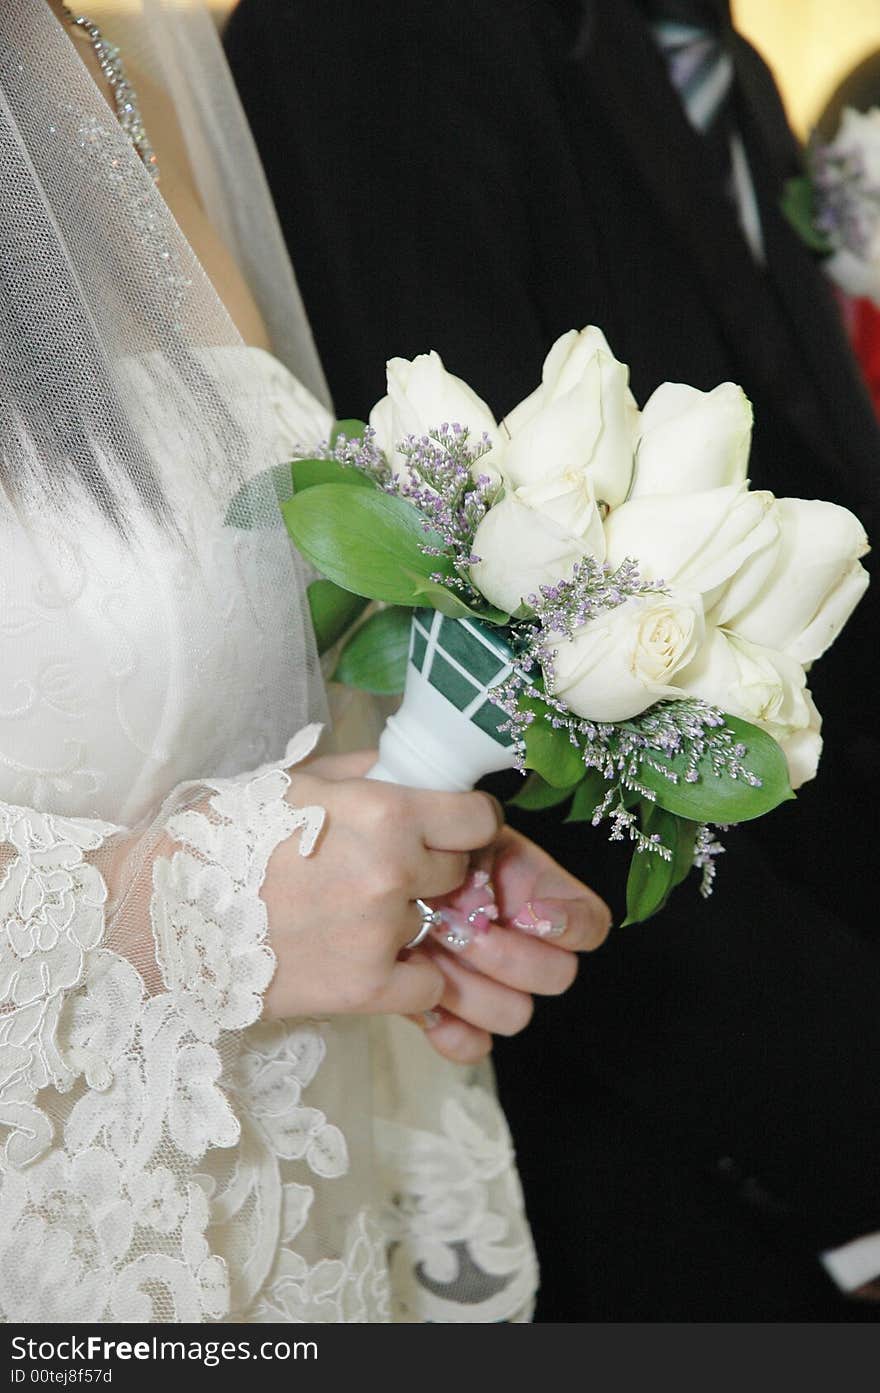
(740, 1030)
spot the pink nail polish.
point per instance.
(479, 921)
(478, 890)
(454, 931)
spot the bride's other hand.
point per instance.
(339, 918)
(544, 918)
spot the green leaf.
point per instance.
(798, 205)
(310, 473)
(490, 615)
(374, 659)
(650, 875)
(435, 596)
(683, 860)
(724, 800)
(549, 751)
(440, 597)
(365, 540)
(536, 794)
(523, 612)
(588, 795)
(351, 429)
(333, 611)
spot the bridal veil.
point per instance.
(165, 1155)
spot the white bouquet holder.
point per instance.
(446, 735)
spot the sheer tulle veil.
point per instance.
(113, 341)
(178, 44)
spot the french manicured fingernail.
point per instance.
(479, 880)
(542, 921)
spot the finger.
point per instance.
(415, 985)
(581, 924)
(410, 924)
(454, 1039)
(432, 874)
(479, 1001)
(336, 768)
(457, 821)
(543, 899)
(525, 963)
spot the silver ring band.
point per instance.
(431, 919)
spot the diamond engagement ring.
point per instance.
(430, 920)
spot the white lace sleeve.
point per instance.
(109, 1091)
(169, 1157)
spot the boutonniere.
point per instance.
(835, 205)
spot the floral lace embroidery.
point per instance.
(52, 914)
(453, 1218)
(171, 1158)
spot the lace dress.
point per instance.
(165, 1155)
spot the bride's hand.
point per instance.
(544, 918)
(338, 919)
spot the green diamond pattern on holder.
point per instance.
(418, 645)
(455, 685)
(462, 658)
(489, 717)
(483, 663)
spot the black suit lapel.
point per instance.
(753, 307)
(618, 66)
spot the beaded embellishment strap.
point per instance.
(124, 96)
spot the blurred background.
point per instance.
(810, 44)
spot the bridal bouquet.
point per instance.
(835, 207)
(584, 591)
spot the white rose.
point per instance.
(422, 396)
(803, 748)
(800, 604)
(521, 548)
(696, 540)
(580, 423)
(691, 440)
(767, 688)
(625, 659)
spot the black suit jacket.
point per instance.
(701, 1114)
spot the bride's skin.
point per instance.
(339, 919)
(178, 186)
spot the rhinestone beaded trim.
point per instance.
(124, 96)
